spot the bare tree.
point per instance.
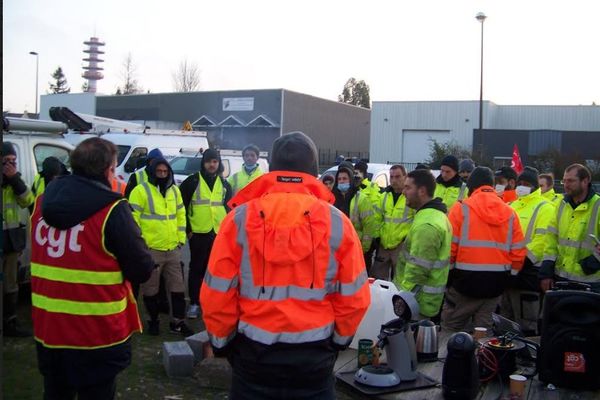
(187, 77)
(129, 77)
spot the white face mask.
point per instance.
(500, 189)
(522, 190)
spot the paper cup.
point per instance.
(479, 332)
(517, 385)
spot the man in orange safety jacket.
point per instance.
(286, 286)
(487, 248)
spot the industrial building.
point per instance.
(402, 131)
(233, 119)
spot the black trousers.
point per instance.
(55, 388)
(200, 247)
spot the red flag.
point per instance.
(516, 163)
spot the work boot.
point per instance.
(180, 328)
(193, 311)
(12, 329)
(154, 327)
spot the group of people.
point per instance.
(280, 260)
(474, 241)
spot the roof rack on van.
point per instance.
(32, 125)
(228, 152)
(191, 151)
(173, 132)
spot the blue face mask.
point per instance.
(343, 187)
(251, 166)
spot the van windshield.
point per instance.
(123, 150)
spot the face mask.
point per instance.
(359, 175)
(522, 190)
(500, 189)
(343, 187)
(251, 166)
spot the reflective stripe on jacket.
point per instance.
(425, 259)
(160, 218)
(451, 194)
(536, 216)
(12, 205)
(286, 267)
(396, 220)
(240, 179)
(571, 242)
(487, 238)
(141, 176)
(364, 219)
(206, 209)
(118, 186)
(373, 192)
(78, 295)
(39, 185)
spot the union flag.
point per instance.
(516, 163)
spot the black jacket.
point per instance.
(14, 239)
(454, 182)
(72, 199)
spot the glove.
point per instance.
(590, 265)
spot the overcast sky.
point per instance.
(536, 52)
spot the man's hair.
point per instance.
(251, 147)
(423, 178)
(548, 178)
(582, 171)
(92, 157)
(400, 167)
(328, 178)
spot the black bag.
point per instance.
(569, 354)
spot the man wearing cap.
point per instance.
(449, 187)
(51, 168)
(396, 218)
(487, 248)
(205, 196)
(506, 182)
(521, 301)
(140, 175)
(286, 286)
(465, 168)
(546, 182)
(373, 193)
(250, 169)
(572, 254)
(15, 195)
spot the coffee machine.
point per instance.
(460, 377)
(397, 337)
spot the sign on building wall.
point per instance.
(238, 104)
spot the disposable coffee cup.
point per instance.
(479, 332)
(517, 385)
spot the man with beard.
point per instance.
(572, 254)
(159, 212)
(506, 183)
(449, 186)
(425, 257)
(205, 196)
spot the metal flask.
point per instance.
(427, 341)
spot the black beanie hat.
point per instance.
(450, 161)
(294, 151)
(51, 167)
(8, 149)
(251, 147)
(423, 166)
(530, 175)
(481, 176)
(506, 172)
(361, 166)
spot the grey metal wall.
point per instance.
(332, 125)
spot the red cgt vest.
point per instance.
(79, 297)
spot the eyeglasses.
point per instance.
(570, 180)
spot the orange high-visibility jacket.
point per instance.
(487, 237)
(118, 186)
(509, 196)
(285, 267)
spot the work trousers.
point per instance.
(169, 265)
(200, 248)
(241, 389)
(523, 307)
(461, 313)
(56, 389)
(10, 262)
(384, 266)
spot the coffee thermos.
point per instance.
(460, 377)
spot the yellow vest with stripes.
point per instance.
(206, 210)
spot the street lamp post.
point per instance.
(37, 71)
(481, 18)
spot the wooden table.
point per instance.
(492, 391)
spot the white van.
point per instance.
(34, 141)
(133, 147)
(188, 162)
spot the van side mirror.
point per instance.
(134, 163)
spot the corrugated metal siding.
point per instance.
(559, 118)
(330, 124)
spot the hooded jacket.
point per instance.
(487, 245)
(451, 191)
(286, 281)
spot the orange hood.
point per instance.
(488, 206)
